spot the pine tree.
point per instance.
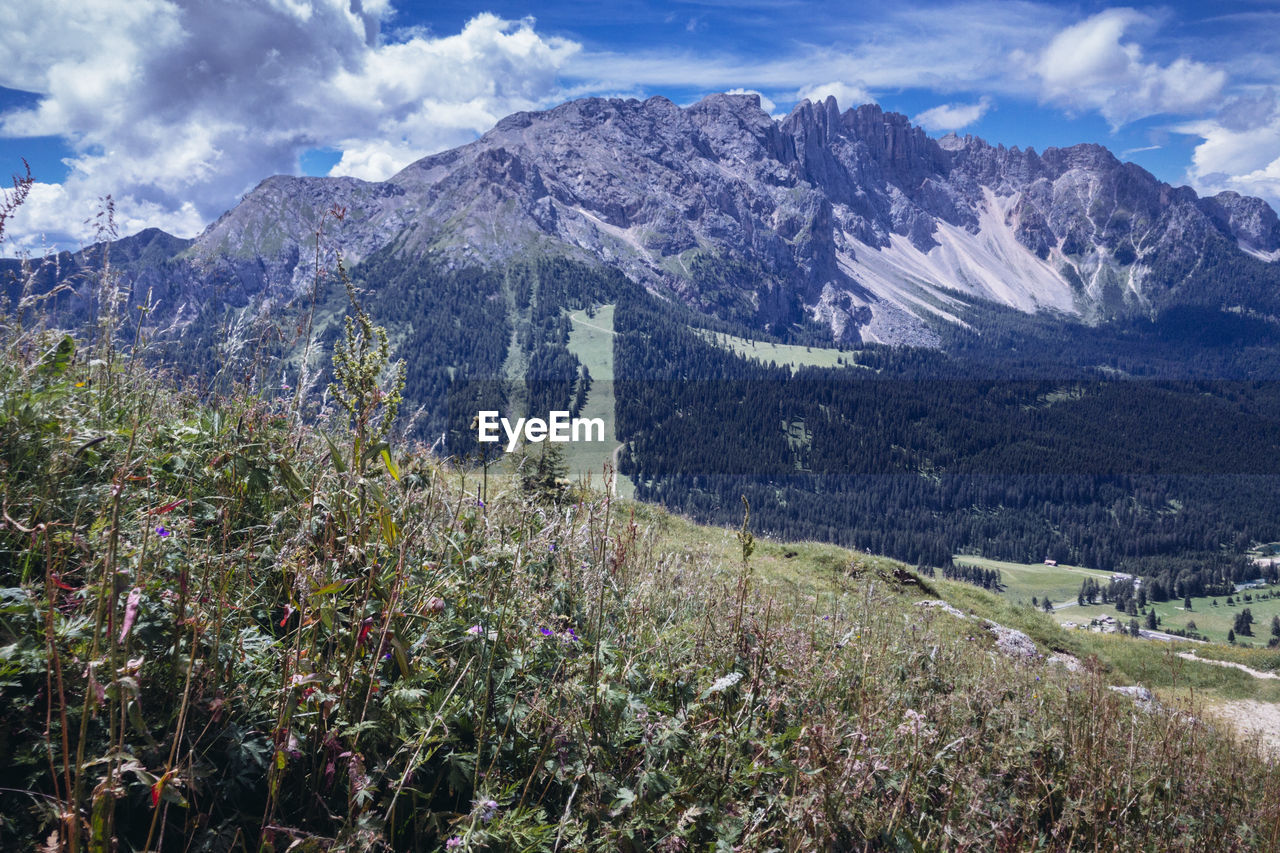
(549, 472)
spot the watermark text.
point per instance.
(558, 427)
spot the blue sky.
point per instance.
(178, 107)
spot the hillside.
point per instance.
(224, 629)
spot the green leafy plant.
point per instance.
(360, 359)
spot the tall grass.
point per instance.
(222, 631)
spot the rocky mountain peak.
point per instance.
(857, 220)
(1252, 222)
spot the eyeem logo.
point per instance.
(558, 427)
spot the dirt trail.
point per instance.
(1256, 673)
(1251, 718)
(609, 332)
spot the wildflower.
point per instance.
(453, 843)
(570, 636)
(488, 809)
(162, 531)
(435, 604)
(915, 725)
(724, 682)
(546, 632)
(475, 630)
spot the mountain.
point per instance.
(974, 306)
(855, 222)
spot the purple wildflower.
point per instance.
(162, 531)
(453, 843)
(546, 632)
(475, 630)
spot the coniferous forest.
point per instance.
(1016, 443)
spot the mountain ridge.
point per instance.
(857, 221)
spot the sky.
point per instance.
(177, 108)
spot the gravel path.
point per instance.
(1256, 673)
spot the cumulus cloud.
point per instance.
(953, 116)
(57, 217)
(846, 94)
(177, 108)
(1239, 149)
(1089, 65)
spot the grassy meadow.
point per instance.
(783, 355)
(591, 340)
(1024, 581)
(1210, 620)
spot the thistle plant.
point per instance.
(360, 358)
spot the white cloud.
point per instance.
(52, 210)
(1237, 156)
(846, 94)
(953, 116)
(176, 123)
(965, 45)
(1088, 65)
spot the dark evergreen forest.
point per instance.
(1019, 443)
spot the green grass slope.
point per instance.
(783, 355)
(591, 340)
(1023, 581)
